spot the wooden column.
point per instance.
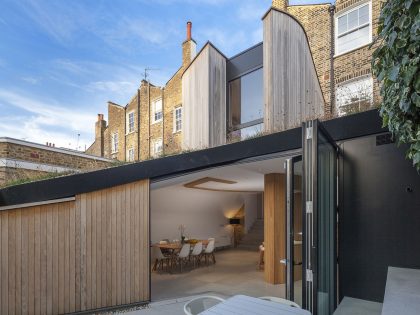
(274, 227)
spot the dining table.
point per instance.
(177, 245)
(247, 305)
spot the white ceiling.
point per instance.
(248, 176)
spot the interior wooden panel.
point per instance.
(292, 93)
(274, 228)
(78, 255)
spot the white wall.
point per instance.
(251, 208)
(204, 213)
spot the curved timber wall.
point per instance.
(292, 93)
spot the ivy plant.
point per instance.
(395, 63)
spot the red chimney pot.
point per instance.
(189, 27)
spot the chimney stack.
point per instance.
(188, 47)
(100, 127)
(189, 27)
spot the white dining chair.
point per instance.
(279, 300)
(200, 304)
(209, 252)
(183, 255)
(196, 253)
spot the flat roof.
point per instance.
(353, 126)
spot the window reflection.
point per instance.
(246, 105)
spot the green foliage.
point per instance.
(25, 180)
(396, 65)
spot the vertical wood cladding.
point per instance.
(204, 100)
(292, 92)
(79, 255)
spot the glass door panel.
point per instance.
(326, 225)
(294, 213)
(320, 155)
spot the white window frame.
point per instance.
(154, 143)
(175, 129)
(350, 82)
(154, 112)
(130, 130)
(114, 142)
(347, 11)
(131, 155)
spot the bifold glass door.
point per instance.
(294, 229)
(320, 158)
(311, 220)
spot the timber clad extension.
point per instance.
(339, 38)
(78, 255)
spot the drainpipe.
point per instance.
(150, 113)
(332, 79)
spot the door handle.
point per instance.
(283, 261)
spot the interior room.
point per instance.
(225, 204)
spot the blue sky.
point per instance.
(61, 61)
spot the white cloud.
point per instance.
(30, 80)
(127, 33)
(228, 43)
(119, 87)
(56, 20)
(45, 120)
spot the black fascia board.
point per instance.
(347, 127)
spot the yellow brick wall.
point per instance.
(116, 124)
(41, 157)
(132, 138)
(316, 21)
(357, 62)
(144, 136)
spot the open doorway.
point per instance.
(225, 203)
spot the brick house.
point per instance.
(339, 36)
(333, 228)
(21, 159)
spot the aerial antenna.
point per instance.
(146, 72)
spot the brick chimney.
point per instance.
(281, 4)
(100, 127)
(188, 47)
